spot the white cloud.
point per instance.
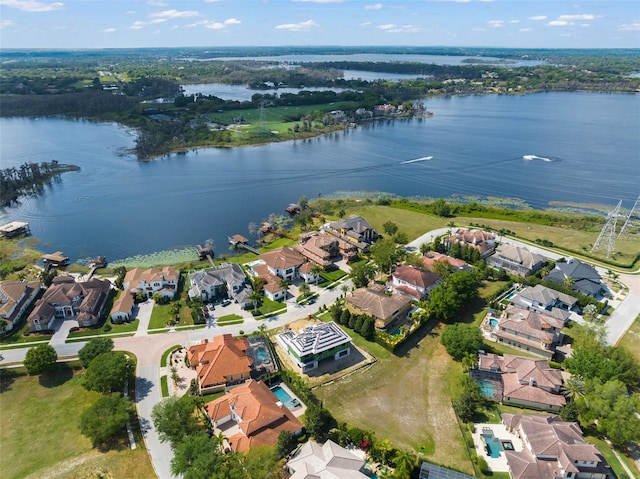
(298, 27)
(108, 30)
(157, 20)
(558, 23)
(577, 17)
(174, 14)
(137, 25)
(32, 5)
(514, 21)
(526, 29)
(496, 23)
(6, 23)
(629, 26)
(375, 6)
(318, 1)
(211, 1)
(478, 29)
(365, 24)
(157, 3)
(216, 25)
(538, 18)
(232, 21)
(393, 28)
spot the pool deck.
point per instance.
(499, 431)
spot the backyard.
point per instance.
(40, 435)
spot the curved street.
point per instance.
(149, 348)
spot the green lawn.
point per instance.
(115, 329)
(611, 458)
(161, 315)
(40, 435)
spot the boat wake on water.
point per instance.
(424, 158)
(535, 157)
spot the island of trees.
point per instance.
(29, 178)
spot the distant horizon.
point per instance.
(118, 24)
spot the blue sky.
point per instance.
(214, 23)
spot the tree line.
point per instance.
(28, 178)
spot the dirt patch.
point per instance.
(63, 468)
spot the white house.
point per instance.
(151, 281)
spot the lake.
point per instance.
(242, 92)
(569, 147)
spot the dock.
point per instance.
(55, 259)
(236, 240)
(14, 228)
(248, 248)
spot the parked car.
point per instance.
(226, 302)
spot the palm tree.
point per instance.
(405, 463)
(345, 289)
(304, 289)
(316, 269)
(256, 298)
(573, 387)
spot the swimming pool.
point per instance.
(493, 321)
(262, 355)
(493, 444)
(284, 397)
(487, 389)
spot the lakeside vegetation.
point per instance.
(124, 86)
(29, 179)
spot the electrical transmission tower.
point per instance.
(608, 232)
(633, 219)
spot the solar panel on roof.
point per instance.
(431, 471)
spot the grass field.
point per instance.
(40, 435)
(631, 340)
(406, 398)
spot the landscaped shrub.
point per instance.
(482, 465)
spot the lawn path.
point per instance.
(62, 468)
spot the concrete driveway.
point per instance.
(143, 314)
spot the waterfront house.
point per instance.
(354, 231)
(483, 241)
(259, 416)
(523, 381)
(122, 309)
(516, 260)
(65, 298)
(315, 343)
(532, 331)
(151, 281)
(543, 299)
(227, 280)
(220, 363)
(582, 277)
(319, 248)
(553, 448)
(15, 297)
(283, 262)
(413, 281)
(329, 461)
(272, 288)
(374, 301)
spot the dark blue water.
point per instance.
(118, 207)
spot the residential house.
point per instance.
(516, 260)
(523, 381)
(221, 363)
(414, 281)
(272, 287)
(15, 297)
(543, 299)
(532, 331)
(583, 277)
(65, 298)
(315, 343)
(151, 281)
(355, 231)
(430, 257)
(319, 248)
(329, 461)
(283, 262)
(122, 309)
(384, 308)
(483, 241)
(258, 413)
(227, 280)
(553, 448)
